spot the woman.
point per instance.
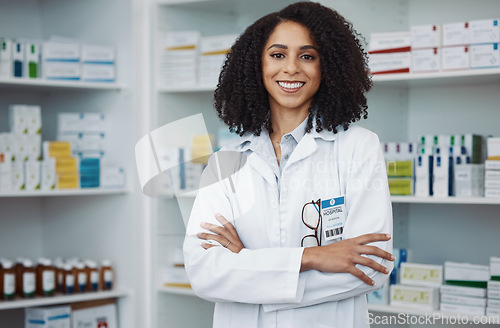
(284, 239)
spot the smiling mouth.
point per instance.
(291, 86)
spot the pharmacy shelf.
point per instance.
(176, 290)
(486, 75)
(52, 84)
(61, 299)
(446, 200)
(181, 89)
(211, 6)
(67, 192)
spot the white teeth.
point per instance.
(295, 85)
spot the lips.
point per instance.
(290, 86)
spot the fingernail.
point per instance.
(393, 257)
(203, 224)
(386, 271)
(389, 235)
(372, 283)
(198, 235)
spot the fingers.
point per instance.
(372, 237)
(226, 224)
(362, 276)
(374, 250)
(372, 264)
(215, 237)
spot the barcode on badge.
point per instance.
(334, 232)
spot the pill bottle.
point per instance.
(18, 268)
(28, 279)
(46, 277)
(80, 277)
(68, 279)
(106, 275)
(8, 280)
(59, 267)
(92, 276)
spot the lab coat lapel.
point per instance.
(305, 148)
(262, 168)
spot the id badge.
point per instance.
(333, 215)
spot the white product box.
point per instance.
(59, 51)
(18, 119)
(463, 300)
(423, 174)
(492, 165)
(48, 174)
(33, 147)
(456, 34)
(492, 175)
(462, 309)
(493, 304)
(492, 312)
(49, 317)
(494, 285)
(34, 114)
(456, 271)
(7, 142)
(473, 144)
(93, 122)
(112, 176)
(383, 63)
(484, 31)
(32, 175)
(92, 141)
(98, 72)
(5, 172)
(425, 60)
(69, 123)
(390, 42)
(32, 60)
(455, 58)
(492, 193)
(441, 181)
(493, 294)
(18, 176)
(97, 54)
(468, 179)
(213, 52)
(484, 55)
(416, 274)
(179, 58)
(96, 316)
(418, 297)
(5, 58)
(59, 70)
(463, 291)
(73, 138)
(493, 147)
(425, 36)
(492, 184)
(18, 54)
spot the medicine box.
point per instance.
(463, 291)
(484, 55)
(400, 186)
(492, 312)
(68, 181)
(492, 165)
(417, 297)
(463, 300)
(442, 180)
(423, 172)
(492, 193)
(425, 60)
(493, 148)
(32, 175)
(421, 274)
(455, 58)
(48, 174)
(495, 268)
(473, 144)
(97, 54)
(59, 51)
(400, 168)
(213, 52)
(48, 317)
(462, 309)
(386, 63)
(456, 34)
(484, 31)
(18, 176)
(425, 36)
(112, 176)
(5, 58)
(493, 304)
(469, 181)
(18, 56)
(493, 285)
(492, 175)
(179, 60)
(465, 274)
(100, 313)
(390, 42)
(32, 62)
(66, 165)
(61, 70)
(5, 172)
(56, 149)
(92, 72)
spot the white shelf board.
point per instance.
(446, 200)
(65, 192)
(210, 6)
(183, 89)
(471, 76)
(61, 299)
(176, 290)
(53, 84)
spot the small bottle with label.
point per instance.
(81, 277)
(28, 279)
(92, 276)
(68, 279)
(46, 277)
(9, 280)
(107, 275)
(18, 268)
(59, 267)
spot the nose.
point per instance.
(291, 66)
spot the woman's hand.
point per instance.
(343, 256)
(225, 235)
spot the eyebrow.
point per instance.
(282, 46)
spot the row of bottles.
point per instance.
(25, 279)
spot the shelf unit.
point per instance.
(69, 192)
(58, 84)
(401, 107)
(62, 299)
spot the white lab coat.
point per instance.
(261, 286)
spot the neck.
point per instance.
(285, 122)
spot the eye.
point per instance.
(308, 57)
(278, 55)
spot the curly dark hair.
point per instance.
(241, 99)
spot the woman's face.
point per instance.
(291, 67)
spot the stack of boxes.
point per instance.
(465, 288)
(493, 291)
(418, 288)
(430, 48)
(66, 165)
(55, 60)
(492, 166)
(400, 159)
(188, 59)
